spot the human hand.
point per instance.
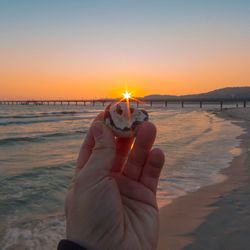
(111, 203)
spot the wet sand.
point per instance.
(216, 216)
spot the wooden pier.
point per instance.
(181, 101)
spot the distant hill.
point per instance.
(159, 97)
(225, 93)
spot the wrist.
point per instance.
(69, 245)
(83, 244)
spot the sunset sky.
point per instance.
(91, 49)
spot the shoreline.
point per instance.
(180, 219)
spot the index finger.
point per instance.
(87, 146)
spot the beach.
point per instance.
(39, 147)
(216, 216)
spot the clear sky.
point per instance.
(89, 48)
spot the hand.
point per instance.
(111, 203)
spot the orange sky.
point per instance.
(42, 80)
(94, 51)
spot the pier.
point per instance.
(165, 102)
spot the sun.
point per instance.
(126, 95)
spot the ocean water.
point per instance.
(38, 151)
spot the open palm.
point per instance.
(111, 203)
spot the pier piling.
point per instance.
(221, 105)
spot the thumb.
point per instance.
(103, 153)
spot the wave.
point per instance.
(25, 122)
(42, 114)
(39, 138)
(40, 234)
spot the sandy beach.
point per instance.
(216, 216)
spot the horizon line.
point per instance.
(115, 98)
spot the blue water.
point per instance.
(38, 151)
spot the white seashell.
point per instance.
(124, 118)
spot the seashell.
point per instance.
(124, 118)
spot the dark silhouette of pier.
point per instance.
(182, 101)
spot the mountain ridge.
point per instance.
(222, 93)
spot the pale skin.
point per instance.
(111, 203)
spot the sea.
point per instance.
(39, 147)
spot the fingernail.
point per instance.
(97, 129)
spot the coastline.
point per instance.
(181, 220)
